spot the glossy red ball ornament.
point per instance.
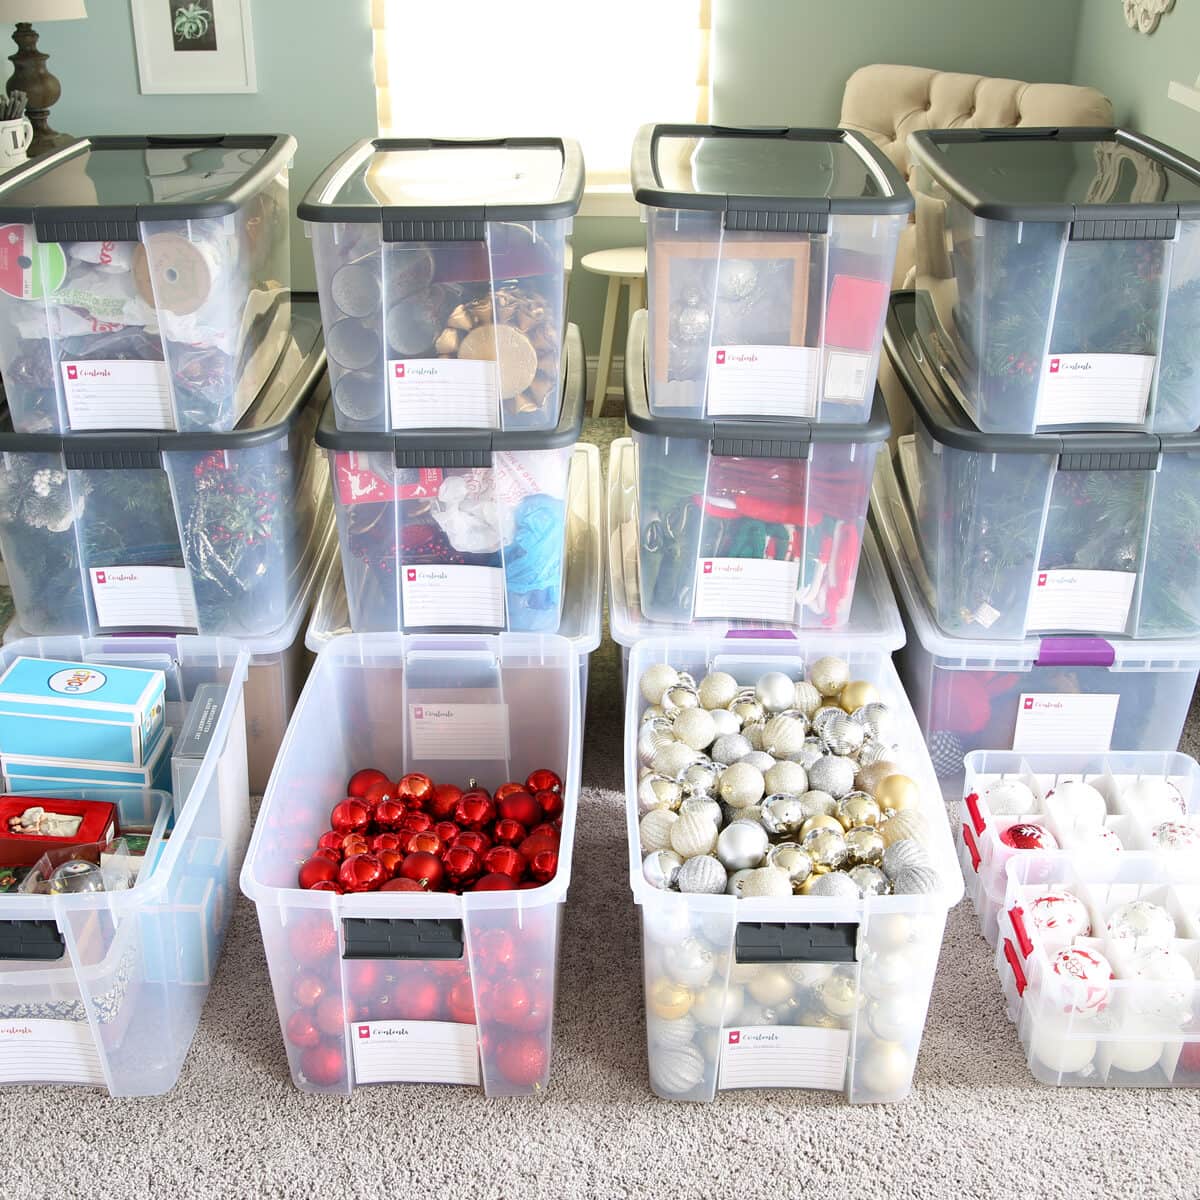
(426, 869)
(508, 789)
(444, 801)
(543, 780)
(475, 840)
(362, 873)
(307, 988)
(390, 860)
(350, 816)
(323, 1066)
(508, 832)
(547, 829)
(425, 841)
(520, 806)
(327, 885)
(415, 790)
(355, 843)
(535, 843)
(495, 883)
(334, 856)
(361, 780)
(415, 821)
(527, 885)
(523, 1059)
(509, 1002)
(317, 869)
(1028, 835)
(386, 841)
(504, 860)
(447, 831)
(460, 1002)
(364, 978)
(496, 952)
(388, 815)
(417, 1000)
(331, 840)
(544, 865)
(399, 884)
(377, 793)
(551, 804)
(301, 1030)
(475, 811)
(462, 864)
(311, 941)
(331, 1016)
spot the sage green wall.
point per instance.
(1135, 68)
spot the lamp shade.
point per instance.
(37, 11)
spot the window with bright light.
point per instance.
(594, 72)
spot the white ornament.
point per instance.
(695, 728)
(1141, 925)
(829, 675)
(770, 882)
(657, 791)
(671, 1033)
(656, 680)
(783, 736)
(661, 869)
(717, 689)
(676, 1070)
(1093, 839)
(1083, 976)
(654, 829)
(689, 962)
(1059, 1051)
(806, 699)
(1074, 804)
(1010, 798)
(775, 691)
(703, 806)
(786, 777)
(1059, 916)
(885, 1069)
(1170, 984)
(741, 785)
(693, 834)
(742, 845)
(729, 748)
(771, 986)
(671, 761)
(1133, 1055)
(760, 761)
(702, 875)
(1154, 801)
(1175, 837)
(724, 722)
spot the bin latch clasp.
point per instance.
(31, 941)
(371, 937)
(799, 941)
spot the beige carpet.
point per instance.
(977, 1124)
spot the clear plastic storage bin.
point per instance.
(1061, 270)
(359, 708)
(144, 281)
(972, 693)
(1129, 818)
(1093, 533)
(110, 986)
(447, 529)
(748, 519)
(884, 969)
(771, 254)
(210, 533)
(874, 621)
(1140, 1029)
(440, 267)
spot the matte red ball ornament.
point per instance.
(426, 869)
(473, 838)
(311, 941)
(551, 803)
(508, 832)
(400, 884)
(317, 869)
(361, 780)
(538, 841)
(364, 977)
(331, 840)
(350, 816)
(323, 1066)
(462, 864)
(417, 1000)
(362, 873)
(510, 1001)
(544, 865)
(460, 1002)
(444, 801)
(331, 1016)
(506, 861)
(1028, 835)
(520, 806)
(301, 1030)
(543, 780)
(307, 988)
(495, 883)
(475, 811)
(523, 1059)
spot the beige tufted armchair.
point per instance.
(886, 103)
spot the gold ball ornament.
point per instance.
(864, 846)
(674, 759)
(770, 882)
(869, 777)
(656, 680)
(896, 793)
(792, 858)
(856, 694)
(657, 791)
(840, 996)
(771, 986)
(717, 689)
(858, 809)
(821, 821)
(670, 1000)
(741, 785)
(827, 849)
(829, 675)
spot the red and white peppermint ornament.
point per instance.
(1086, 975)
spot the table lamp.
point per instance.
(29, 63)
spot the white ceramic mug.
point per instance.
(15, 137)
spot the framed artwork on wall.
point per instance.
(186, 46)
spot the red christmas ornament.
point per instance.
(327, 885)
(506, 861)
(425, 841)
(1189, 1057)
(415, 821)
(527, 885)
(364, 977)
(523, 1059)
(460, 1002)
(495, 883)
(510, 1001)
(447, 831)
(355, 843)
(415, 790)
(385, 841)
(390, 860)
(462, 864)
(1028, 835)
(318, 869)
(323, 1065)
(547, 829)
(496, 951)
(508, 832)
(475, 840)
(378, 792)
(362, 873)
(551, 803)
(426, 869)
(400, 884)
(444, 801)
(541, 839)
(350, 816)
(307, 988)
(300, 1030)
(544, 865)
(543, 780)
(475, 811)
(417, 1000)
(508, 789)
(331, 1016)
(361, 780)
(311, 941)
(388, 815)
(520, 806)
(334, 856)
(536, 1016)
(331, 840)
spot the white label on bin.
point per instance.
(1088, 388)
(752, 589)
(48, 1052)
(450, 392)
(158, 597)
(442, 596)
(846, 374)
(766, 381)
(1080, 601)
(786, 1056)
(1052, 720)
(455, 731)
(415, 1052)
(117, 394)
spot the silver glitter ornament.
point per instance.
(783, 737)
(654, 830)
(793, 859)
(903, 855)
(775, 691)
(829, 675)
(871, 881)
(655, 680)
(916, 880)
(832, 774)
(786, 777)
(677, 1069)
(741, 785)
(824, 715)
(660, 869)
(818, 804)
(759, 760)
(702, 875)
(840, 735)
(835, 885)
(689, 962)
(806, 698)
(769, 882)
(877, 721)
(724, 722)
(657, 791)
(811, 751)
(782, 814)
(730, 748)
(742, 845)
(717, 689)
(703, 806)
(695, 727)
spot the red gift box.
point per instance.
(24, 849)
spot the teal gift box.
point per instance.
(29, 775)
(70, 710)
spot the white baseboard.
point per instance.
(616, 376)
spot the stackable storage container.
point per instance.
(771, 254)
(456, 529)
(1095, 533)
(971, 693)
(582, 573)
(440, 267)
(1062, 273)
(748, 519)
(884, 947)
(874, 622)
(209, 533)
(384, 962)
(985, 857)
(107, 988)
(144, 281)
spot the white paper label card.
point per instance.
(415, 1052)
(751, 589)
(1050, 721)
(451, 392)
(785, 1056)
(1084, 389)
(444, 596)
(47, 1051)
(766, 381)
(154, 597)
(451, 730)
(117, 394)
(846, 373)
(1080, 601)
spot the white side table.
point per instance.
(625, 267)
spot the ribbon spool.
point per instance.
(356, 288)
(174, 274)
(513, 351)
(351, 344)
